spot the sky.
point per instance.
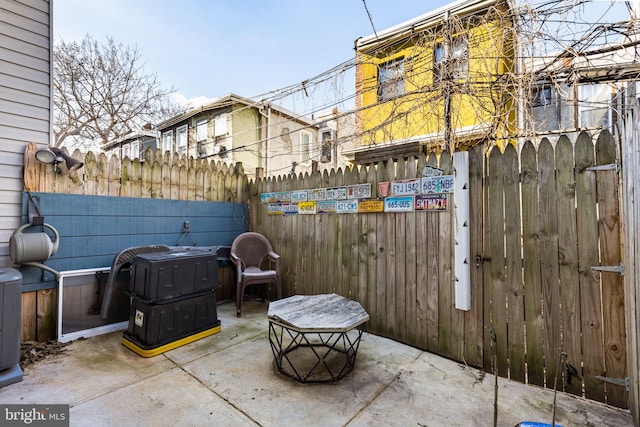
(209, 48)
(205, 49)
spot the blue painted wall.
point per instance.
(93, 229)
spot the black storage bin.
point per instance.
(168, 275)
(155, 325)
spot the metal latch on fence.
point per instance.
(608, 167)
(610, 268)
(623, 382)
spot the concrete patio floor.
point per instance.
(229, 379)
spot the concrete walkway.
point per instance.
(228, 379)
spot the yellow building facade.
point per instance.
(444, 80)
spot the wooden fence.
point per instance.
(540, 220)
(160, 177)
(92, 236)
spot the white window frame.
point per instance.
(454, 58)
(201, 130)
(391, 79)
(594, 101)
(305, 147)
(182, 139)
(220, 125)
(135, 150)
(125, 151)
(167, 141)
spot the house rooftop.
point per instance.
(229, 100)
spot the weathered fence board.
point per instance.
(549, 257)
(432, 303)
(410, 268)
(615, 353)
(473, 322)
(513, 266)
(449, 319)
(568, 258)
(590, 301)
(496, 316)
(531, 248)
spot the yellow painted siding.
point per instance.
(476, 101)
(246, 134)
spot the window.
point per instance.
(460, 58)
(167, 141)
(201, 130)
(541, 96)
(125, 151)
(220, 125)
(327, 136)
(135, 149)
(454, 64)
(305, 146)
(391, 80)
(594, 105)
(181, 139)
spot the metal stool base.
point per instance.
(314, 357)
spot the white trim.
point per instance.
(182, 136)
(423, 21)
(308, 153)
(86, 333)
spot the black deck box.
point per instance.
(166, 326)
(168, 275)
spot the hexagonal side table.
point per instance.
(315, 338)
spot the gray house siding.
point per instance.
(25, 100)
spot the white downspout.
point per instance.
(266, 144)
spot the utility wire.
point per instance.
(324, 84)
(364, 2)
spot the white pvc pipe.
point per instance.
(462, 231)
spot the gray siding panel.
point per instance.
(25, 100)
(19, 109)
(37, 11)
(11, 56)
(29, 74)
(31, 99)
(24, 135)
(25, 122)
(10, 198)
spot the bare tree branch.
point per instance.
(101, 93)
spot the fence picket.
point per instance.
(531, 247)
(615, 354)
(411, 243)
(398, 238)
(568, 261)
(494, 236)
(513, 263)
(146, 188)
(433, 286)
(590, 302)
(449, 318)
(473, 325)
(549, 255)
